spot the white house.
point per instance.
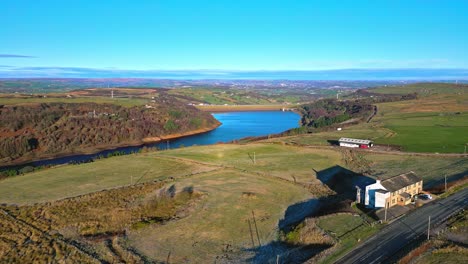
(396, 190)
(376, 195)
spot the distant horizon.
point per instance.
(362, 74)
(162, 38)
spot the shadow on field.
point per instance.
(341, 181)
(282, 252)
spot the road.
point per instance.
(400, 233)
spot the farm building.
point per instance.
(355, 143)
(397, 190)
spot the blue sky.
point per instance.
(231, 35)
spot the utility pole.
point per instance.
(386, 206)
(428, 227)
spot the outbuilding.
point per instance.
(355, 143)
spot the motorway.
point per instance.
(401, 232)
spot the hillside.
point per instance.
(36, 130)
(326, 112)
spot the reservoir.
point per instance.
(235, 125)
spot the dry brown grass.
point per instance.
(310, 233)
(21, 243)
(88, 220)
(415, 253)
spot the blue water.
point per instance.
(235, 125)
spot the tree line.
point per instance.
(29, 131)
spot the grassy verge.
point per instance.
(348, 229)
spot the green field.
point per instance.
(432, 169)
(72, 180)
(271, 160)
(275, 160)
(423, 89)
(220, 96)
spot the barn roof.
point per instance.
(395, 183)
(356, 141)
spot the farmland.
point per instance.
(228, 182)
(227, 202)
(433, 123)
(423, 89)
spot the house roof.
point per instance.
(395, 183)
(356, 141)
(381, 191)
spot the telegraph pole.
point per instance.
(386, 206)
(428, 227)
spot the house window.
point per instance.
(393, 201)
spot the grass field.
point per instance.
(423, 89)
(219, 223)
(432, 169)
(72, 180)
(219, 96)
(275, 160)
(271, 160)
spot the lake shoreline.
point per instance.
(113, 147)
(230, 126)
